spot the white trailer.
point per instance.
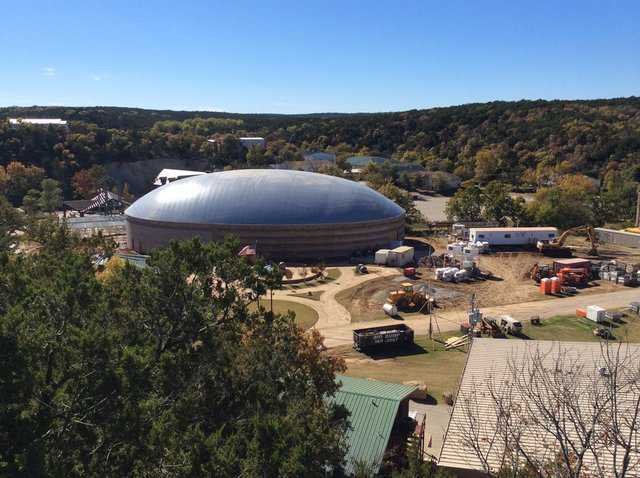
(400, 256)
(512, 236)
(381, 257)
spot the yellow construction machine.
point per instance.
(407, 298)
(556, 247)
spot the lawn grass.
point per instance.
(578, 329)
(441, 369)
(425, 362)
(306, 317)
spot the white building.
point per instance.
(252, 141)
(247, 142)
(45, 122)
(169, 175)
(512, 236)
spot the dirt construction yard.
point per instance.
(511, 285)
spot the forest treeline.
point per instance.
(522, 144)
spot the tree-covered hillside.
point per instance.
(521, 143)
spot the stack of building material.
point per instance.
(635, 307)
(446, 273)
(455, 342)
(596, 313)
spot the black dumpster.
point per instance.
(374, 337)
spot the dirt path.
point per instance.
(330, 312)
(336, 335)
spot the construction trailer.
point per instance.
(512, 236)
(400, 256)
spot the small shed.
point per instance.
(377, 411)
(573, 263)
(400, 256)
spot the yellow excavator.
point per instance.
(556, 247)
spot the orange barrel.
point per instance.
(555, 285)
(545, 286)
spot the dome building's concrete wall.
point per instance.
(286, 214)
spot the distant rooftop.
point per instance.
(38, 121)
(513, 229)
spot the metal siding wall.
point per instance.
(621, 238)
(293, 242)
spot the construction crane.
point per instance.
(556, 247)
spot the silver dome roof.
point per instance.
(263, 196)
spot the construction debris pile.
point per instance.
(619, 272)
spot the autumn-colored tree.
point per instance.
(86, 182)
(486, 165)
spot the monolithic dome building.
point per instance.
(285, 214)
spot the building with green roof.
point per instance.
(377, 412)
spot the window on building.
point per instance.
(552, 235)
(481, 236)
(507, 236)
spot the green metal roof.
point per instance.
(373, 407)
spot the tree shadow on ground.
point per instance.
(394, 351)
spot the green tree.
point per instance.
(465, 205)
(573, 201)
(31, 202)
(403, 199)
(499, 206)
(50, 195)
(161, 371)
(11, 220)
(256, 156)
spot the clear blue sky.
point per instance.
(307, 56)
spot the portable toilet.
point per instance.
(555, 285)
(545, 286)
